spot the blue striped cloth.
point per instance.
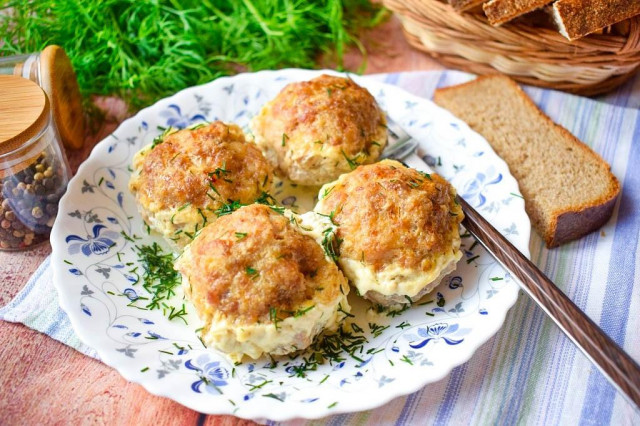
(528, 373)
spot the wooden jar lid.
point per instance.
(59, 81)
(24, 112)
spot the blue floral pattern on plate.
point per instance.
(95, 270)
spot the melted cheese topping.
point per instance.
(395, 280)
(287, 335)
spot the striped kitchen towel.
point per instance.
(529, 373)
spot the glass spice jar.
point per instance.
(33, 171)
(51, 69)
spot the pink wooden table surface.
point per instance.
(44, 381)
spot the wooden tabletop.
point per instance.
(52, 383)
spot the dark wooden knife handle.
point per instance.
(613, 362)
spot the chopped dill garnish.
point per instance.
(327, 191)
(475, 243)
(204, 218)
(333, 347)
(241, 235)
(331, 243)
(403, 325)
(284, 139)
(377, 329)
(427, 175)
(353, 162)
(253, 273)
(228, 208)
(160, 138)
(266, 198)
(274, 396)
(395, 312)
(173, 313)
(345, 313)
(127, 237)
(294, 221)
(471, 259)
(303, 311)
(273, 316)
(496, 278)
(256, 387)
(159, 279)
(220, 171)
(406, 359)
(184, 206)
(213, 188)
(331, 216)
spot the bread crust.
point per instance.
(565, 224)
(577, 18)
(500, 11)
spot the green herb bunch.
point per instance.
(142, 50)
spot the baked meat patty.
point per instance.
(313, 131)
(399, 230)
(181, 181)
(261, 283)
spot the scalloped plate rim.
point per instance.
(283, 414)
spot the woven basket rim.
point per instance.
(530, 54)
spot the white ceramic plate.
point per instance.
(95, 270)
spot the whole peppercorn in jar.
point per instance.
(33, 171)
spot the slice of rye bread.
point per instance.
(569, 190)
(464, 5)
(500, 11)
(577, 18)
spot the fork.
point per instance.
(616, 365)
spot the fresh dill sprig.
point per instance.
(143, 50)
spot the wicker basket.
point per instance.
(531, 55)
